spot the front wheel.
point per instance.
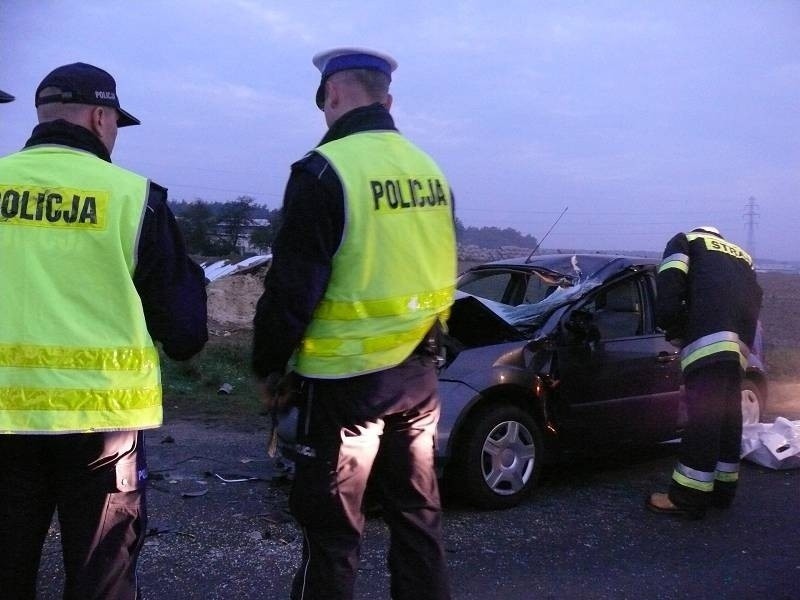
(500, 457)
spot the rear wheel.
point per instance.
(753, 402)
(500, 457)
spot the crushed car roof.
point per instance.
(574, 274)
(584, 266)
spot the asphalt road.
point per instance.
(583, 534)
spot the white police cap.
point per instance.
(340, 59)
(343, 59)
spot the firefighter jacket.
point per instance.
(75, 351)
(393, 275)
(708, 299)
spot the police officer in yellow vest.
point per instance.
(93, 270)
(361, 282)
(708, 305)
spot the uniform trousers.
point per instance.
(95, 481)
(379, 426)
(708, 467)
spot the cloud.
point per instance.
(785, 75)
(278, 22)
(200, 90)
(582, 28)
(428, 128)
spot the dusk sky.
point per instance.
(644, 118)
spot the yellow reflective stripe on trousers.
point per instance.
(338, 310)
(51, 399)
(61, 357)
(702, 486)
(345, 347)
(728, 472)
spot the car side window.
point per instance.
(491, 285)
(537, 290)
(617, 310)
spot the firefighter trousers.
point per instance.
(707, 471)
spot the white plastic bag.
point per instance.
(776, 445)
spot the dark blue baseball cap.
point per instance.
(81, 83)
(5, 97)
(343, 59)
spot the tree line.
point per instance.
(243, 226)
(220, 228)
(492, 237)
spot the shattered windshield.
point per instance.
(524, 298)
(508, 301)
(527, 316)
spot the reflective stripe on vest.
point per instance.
(33, 410)
(715, 343)
(394, 272)
(338, 347)
(697, 480)
(75, 353)
(53, 357)
(386, 307)
(678, 261)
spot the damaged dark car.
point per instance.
(556, 353)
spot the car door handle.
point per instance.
(665, 357)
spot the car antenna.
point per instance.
(539, 243)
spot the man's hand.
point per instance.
(276, 391)
(267, 391)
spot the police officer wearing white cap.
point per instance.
(361, 282)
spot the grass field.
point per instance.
(192, 387)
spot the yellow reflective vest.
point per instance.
(393, 275)
(75, 354)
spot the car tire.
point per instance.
(753, 402)
(500, 457)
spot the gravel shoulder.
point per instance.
(583, 534)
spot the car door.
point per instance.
(622, 382)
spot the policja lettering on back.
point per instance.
(61, 207)
(391, 191)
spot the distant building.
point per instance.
(243, 244)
